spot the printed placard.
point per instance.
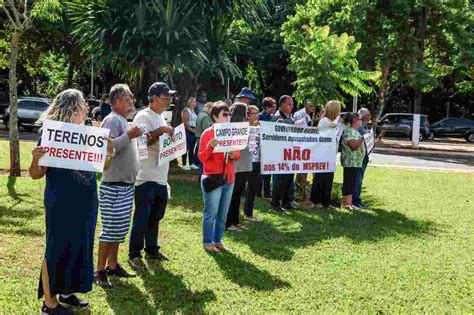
(254, 143)
(369, 139)
(142, 143)
(231, 136)
(288, 149)
(172, 147)
(72, 146)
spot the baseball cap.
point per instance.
(160, 88)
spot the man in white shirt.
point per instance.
(151, 186)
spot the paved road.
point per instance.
(426, 160)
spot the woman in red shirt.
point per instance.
(217, 201)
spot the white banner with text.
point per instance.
(72, 146)
(231, 136)
(287, 149)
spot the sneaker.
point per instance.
(277, 208)
(318, 205)
(58, 310)
(157, 256)
(73, 301)
(186, 168)
(294, 204)
(194, 167)
(102, 280)
(119, 272)
(136, 263)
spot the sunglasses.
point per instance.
(226, 115)
(250, 113)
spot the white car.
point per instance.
(29, 110)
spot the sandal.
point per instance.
(242, 227)
(233, 228)
(222, 247)
(211, 248)
(252, 219)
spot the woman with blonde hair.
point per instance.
(322, 182)
(71, 204)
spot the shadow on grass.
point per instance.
(12, 190)
(302, 228)
(14, 220)
(246, 274)
(169, 291)
(186, 194)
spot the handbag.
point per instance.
(214, 181)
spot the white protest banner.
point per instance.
(231, 136)
(172, 147)
(254, 143)
(288, 149)
(339, 130)
(369, 140)
(301, 117)
(142, 143)
(73, 146)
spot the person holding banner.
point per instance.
(71, 204)
(352, 157)
(151, 186)
(189, 117)
(243, 169)
(217, 182)
(364, 115)
(269, 108)
(203, 121)
(117, 186)
(321, 189)
(283, 190)
(254, 184)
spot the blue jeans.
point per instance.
(360, 172)
(216, 206)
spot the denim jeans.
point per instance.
(150, 205)
(360, 172)
(216, 206)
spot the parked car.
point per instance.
(454, 127)
(401, 125)
(29, 110)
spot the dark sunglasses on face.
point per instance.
(226, 115)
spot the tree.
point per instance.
(414, 44)
(21, 17)
(325, 64)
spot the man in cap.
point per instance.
(151, 186)
(245, 96)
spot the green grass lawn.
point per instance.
(413, 252)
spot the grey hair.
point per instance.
(117, 91)
(238, 111)
(363, 112)
(64, 106)
(191, 99)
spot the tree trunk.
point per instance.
(423, 25)
(15, 169)
(70, 75)
(382, 91)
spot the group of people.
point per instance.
(73, 201)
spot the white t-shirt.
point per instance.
(149, 171)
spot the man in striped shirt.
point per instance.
(117, 187)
